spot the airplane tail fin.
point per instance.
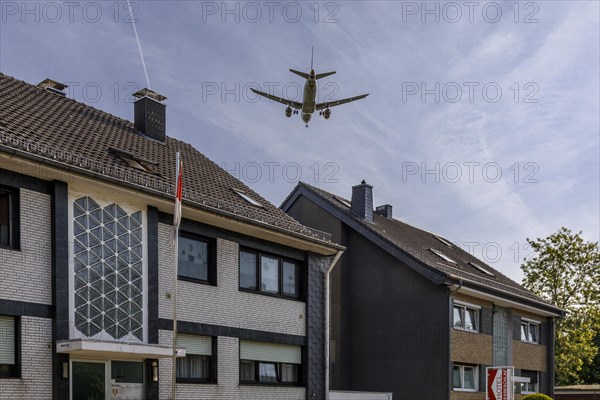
(302, 74)
(324, 74)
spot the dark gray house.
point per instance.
(414, 314)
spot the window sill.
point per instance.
(465, 330)
(194, 280)
(194, 381)
(4, 247)
(272, 384)
(277, 296)
(528, 342)
(465, 390)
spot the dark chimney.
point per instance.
(149, 114)
(362, 201)
(384, 210)
(53, 86)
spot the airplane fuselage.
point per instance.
(309, 97)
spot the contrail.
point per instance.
(138, 43)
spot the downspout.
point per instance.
(450, 311)
(327, 319)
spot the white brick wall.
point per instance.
(27, 274)
(228, 387)
(224, 304)
(36, 363)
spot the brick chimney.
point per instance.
(362, 201)
(149, 114)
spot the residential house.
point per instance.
(87, 264)
(414, 314)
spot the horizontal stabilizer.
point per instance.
(302, 74)
(324, 74)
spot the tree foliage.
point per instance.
(565, 270)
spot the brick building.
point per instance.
(414, 314)
(87, 264)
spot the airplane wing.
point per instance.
(291, 103)
(333, 103)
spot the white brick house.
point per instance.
(87, 264)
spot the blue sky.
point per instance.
(482, 123)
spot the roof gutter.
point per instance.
(327, 318)
(81, 171)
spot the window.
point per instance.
(249, 199)
(269, 363)
(443, 240)
(9, 218)
(8, 347)
(481, 269)
(466, 317)
(197, 366)
(442, 255)
(269, 274)
(530, 331)
(196, 261)
(464, 377)
(532, 385)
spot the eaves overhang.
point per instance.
(100, 349)
(235, 222)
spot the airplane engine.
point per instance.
(288, 112)
(327, 113)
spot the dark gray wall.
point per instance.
(393, 324)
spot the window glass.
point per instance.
(6, 218)
(290, 281)
(194, 366)
(289, 373)
(533, 332)
(267, 372)
(456, 377)
(469, 378)
(127, 371)
(247, 371)
(470, 319)
(458, 316)
(269, 274)
(524, 331)
(193, 258)
(247, 270)
(7, 347)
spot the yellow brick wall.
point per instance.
(469, 347)
(529, 356)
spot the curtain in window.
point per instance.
(7, 340)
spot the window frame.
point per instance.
(14, 217)
(529, 323)
(213, 363)
(465, 306)
(258, 270)
(14, 370)
(278, 372)
(462, 377)
(536, 385)
(211, 256)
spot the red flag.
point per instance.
(178, 196)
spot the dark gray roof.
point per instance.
(52, 128)
(415, 244)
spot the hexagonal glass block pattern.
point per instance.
(108, 270)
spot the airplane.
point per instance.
(309, 104)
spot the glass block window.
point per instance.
(108, 270)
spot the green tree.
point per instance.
(565, 270)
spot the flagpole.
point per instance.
(176, 221)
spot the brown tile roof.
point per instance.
(417, 243)
(73, 135)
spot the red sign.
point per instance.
(499, 383)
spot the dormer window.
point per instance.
(442, 255)
(481, 269)
(134, 161)
(245, 196)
